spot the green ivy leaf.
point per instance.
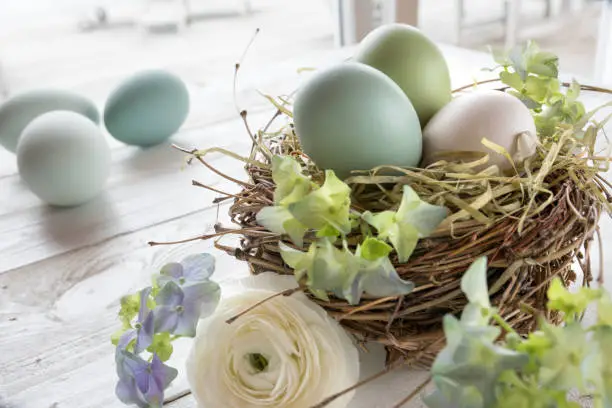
(328, 205)
(162, 345)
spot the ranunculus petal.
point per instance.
(307, 355)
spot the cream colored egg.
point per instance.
(461, 125)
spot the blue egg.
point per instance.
(147, 108)
(17, 112)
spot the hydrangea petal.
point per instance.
(280, 221)
(330, 204)
(381, 280)
(291, 184)
(198, 267)
(474, 283)
(170, 295)
(423, 216)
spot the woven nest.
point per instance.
(532, 226)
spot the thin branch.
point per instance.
(194, 153)
(205, 237)
(413, 393)
(237, 68)
(287, 292)
(198, 184)
(177, 397)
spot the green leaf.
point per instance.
(474, 283)
(279, 220)
(373, 248)
(512, 79)
(328, 205)
(162, 345)
(291, 184)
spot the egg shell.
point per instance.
(462, 124)
(147, 108)
(64, 158)
(17, 112)
(353, 117)
(413, 61)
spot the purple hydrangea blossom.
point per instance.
(180, 308)
(141, 382)
(143, 328)
(195, 268)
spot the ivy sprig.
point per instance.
(180, 294)
(475, 370)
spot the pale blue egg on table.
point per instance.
(64, 158)
(147, 108)
(354, 117)
(17, 112)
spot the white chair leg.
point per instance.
(513, 10)
(603, 56)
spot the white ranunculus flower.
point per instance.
(286, 353)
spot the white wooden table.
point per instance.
(62, 272)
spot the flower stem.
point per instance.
(287, 292)
(503, 324)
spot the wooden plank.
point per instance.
(55, 343)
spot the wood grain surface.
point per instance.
(63, 271)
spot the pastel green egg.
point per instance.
(147, 108)
(353, 117)
(413, 61)
(17, 112)
(64, 158)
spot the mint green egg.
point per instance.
(63, 158)
(147, 108)
(413, 61)
(354, 117)
(17, 112)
